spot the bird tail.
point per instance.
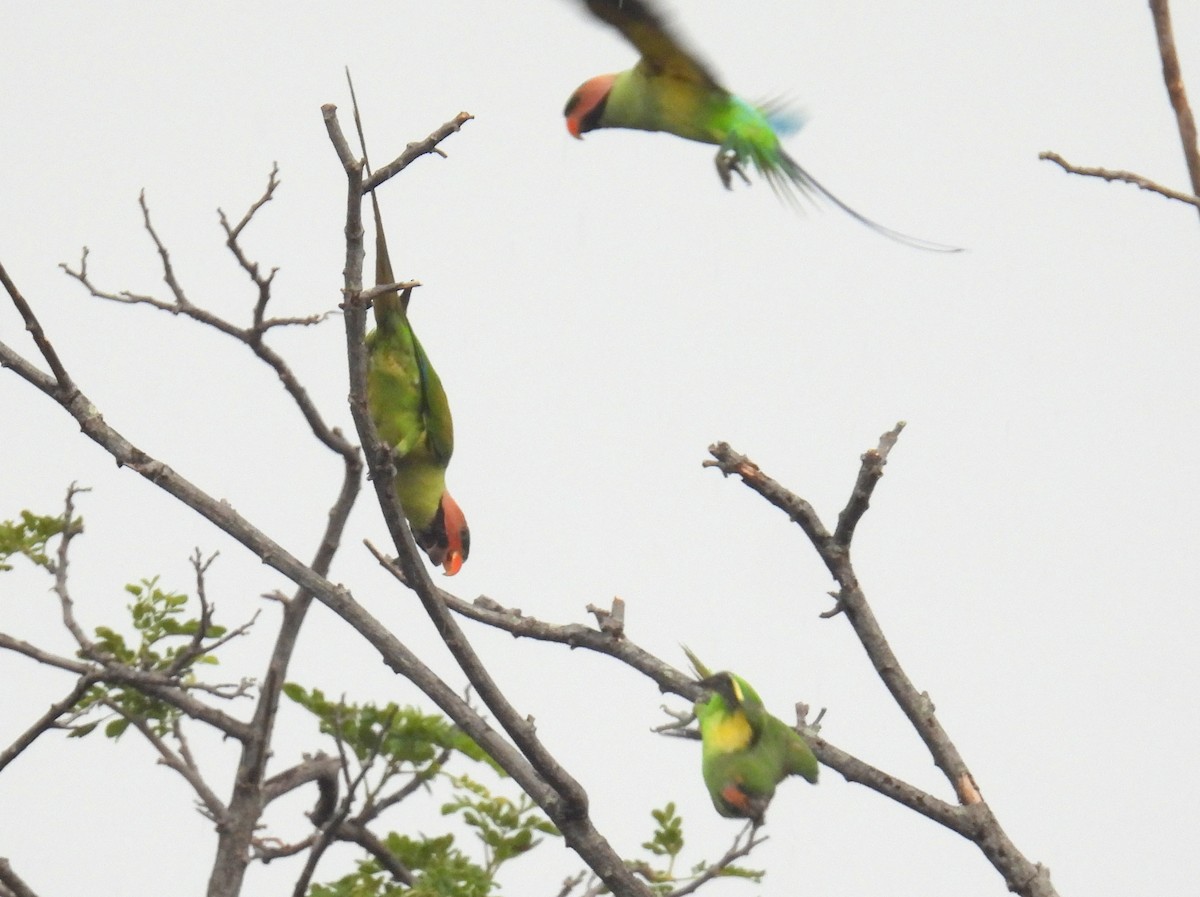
(702, 672)
(389, 304)
(787, 178)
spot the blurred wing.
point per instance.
(662, 54)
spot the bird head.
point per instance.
(737, 696)
(586, 105)
(727, 687)
(446, 539)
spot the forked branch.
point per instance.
(1172, 73)
(973, 818)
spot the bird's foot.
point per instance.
(728, 162)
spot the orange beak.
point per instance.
(573, 127)
(458, 537)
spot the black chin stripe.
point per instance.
(591, 121)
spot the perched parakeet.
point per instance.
(745, 752)
(671, 90)
(411, 413)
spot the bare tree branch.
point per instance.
(356, 832)
(374, 807)
(539, 774)
(35, 330)
(339, 599)
(156, 685)
(974, 819)
(47, 720)
(743, 844)
(11, 883)
(1184, 120)
(1173, 78)
(169, 758)
(670, 680)
(207, 796)
(416, 150)
(1127, 176)
(337, 823)
(252, 336)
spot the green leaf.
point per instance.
(28, 537)
(81, 731)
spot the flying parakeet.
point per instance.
(410, 411)
(671, 90)
(746, 752)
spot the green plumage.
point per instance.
(406, 398)
(746, 752)
(671, 90)
(408, 405)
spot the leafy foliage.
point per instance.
(155, 615)
(441, 871)
(28, 537)
(417, 746)
(404, 737)
(165, 643)
(505, 827)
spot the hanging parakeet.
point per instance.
(409, 407)
(745, 752)
(671, 90)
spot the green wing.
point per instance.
(412, 392)
(797, 758)
(662, 53)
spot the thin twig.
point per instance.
(155, 685)
(737, 850)
(35, 330)
(416, 150)
(191, 771)
(71, 528)
(47, 720)
(868, 475)
(172, 760)
(1127, 176)
(331, 437)
(251, 268)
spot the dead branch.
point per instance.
(1173, 79)
(1128, 177)
(973, 818)
(11, 884)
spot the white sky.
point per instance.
(600, 312)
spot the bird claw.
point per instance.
(728, 163)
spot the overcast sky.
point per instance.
(600, 312)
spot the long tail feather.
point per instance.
(383, 305)
(788, 176)
(702, 672)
